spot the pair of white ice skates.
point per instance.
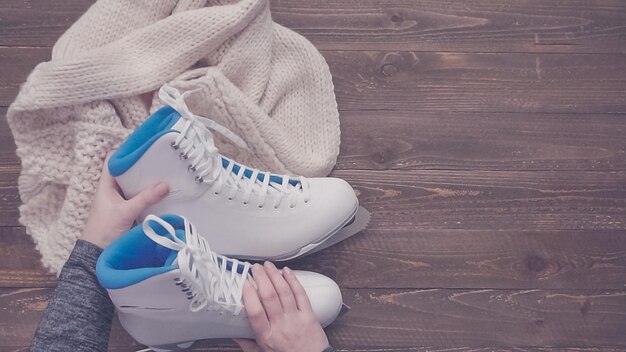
(174, 279)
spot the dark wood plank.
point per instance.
(8, 157)
(411, 318)
(488, 200)
(380, 80)
(557, 83)
(491, 200)
(16, 64)
(448, 318)
(408, 258)
(471, 26)
(483, 25)
(481, 141)
(20, 264)
(9, 206)
(37, 23)
(445, 140)
(421, 259)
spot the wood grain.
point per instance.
(16, 64)
(481, 141)
(448, 318)
(9, 206)
(421, 259)
(438, 81)
(465, 82)
(419, 25)
(475, 259)
(20, 265)
(470, 26)
(8, 157)
(382, 140)
(412, 318)
(490, 200)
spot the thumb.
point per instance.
(148, 197)
(248, 345)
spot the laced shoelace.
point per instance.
(195, 143)
(208, 281)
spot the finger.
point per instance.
(267, 293)
(248, 345)
(254, 309)
(302, 300)
(106, 180)
(285, 294)
(148, 197)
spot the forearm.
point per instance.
(79, 315)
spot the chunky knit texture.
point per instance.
(266, 83)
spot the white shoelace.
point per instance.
(196, 143)
(208, 282)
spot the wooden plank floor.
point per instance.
(487, 137)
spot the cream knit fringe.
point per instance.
(266, 83)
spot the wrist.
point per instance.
(99, 241)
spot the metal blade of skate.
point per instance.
(360, 222)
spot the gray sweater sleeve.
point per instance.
(79, 315)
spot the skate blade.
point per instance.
(344, 309)
(358, 224)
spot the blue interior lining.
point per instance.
(134, 257)
(141, 139)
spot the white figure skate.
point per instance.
(170, 289)
(243, 212)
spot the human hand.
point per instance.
(280, 313)
(111, 215)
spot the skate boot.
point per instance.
(170, 289)
(243, 212)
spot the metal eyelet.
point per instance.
(245, 204)
(174, 145)
(190, 168)
(198, 179)
(183, 156)
(260, 206)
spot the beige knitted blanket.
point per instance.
(266, 83)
